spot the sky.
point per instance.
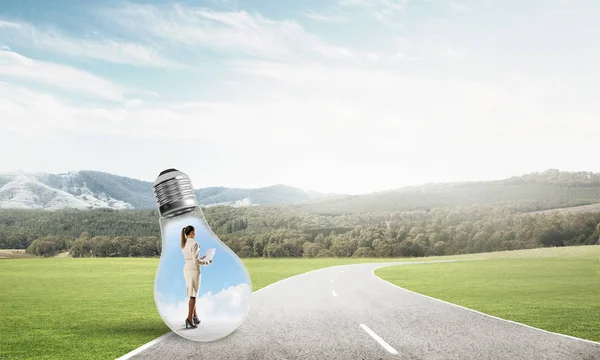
(346, 96)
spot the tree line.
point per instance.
(275, 232)
(422, 234)
(97, 246)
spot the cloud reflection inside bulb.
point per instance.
(220, 313)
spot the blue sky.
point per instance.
(341, 95)
(226, 270)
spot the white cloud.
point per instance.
(334, 52)
(14, 65)
(230, 32)
(372, 56)
(134, 102)
(321, 106)
(382, 10)
(452, 53)
(432, 47)
(326, 18)
(229, 3)
(220, 313)
(423, 125)
(457, 6)
(268, 120)
(50, 39)
(565, 12)
(29, 112)
(402, 56)
(390, 102)
(9, 24)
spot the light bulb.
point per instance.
(222, 289)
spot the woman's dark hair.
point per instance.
(185, 232)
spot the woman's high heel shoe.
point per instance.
(196, 320)
(188, 323)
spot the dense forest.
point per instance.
(441, 219)
(269, 232)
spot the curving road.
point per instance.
(346, 312)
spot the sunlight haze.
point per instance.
(346, 96)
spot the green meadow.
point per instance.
(102, 308)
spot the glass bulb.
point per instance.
(224, 289)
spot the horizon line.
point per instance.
(331, 193)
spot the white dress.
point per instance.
(191, 269)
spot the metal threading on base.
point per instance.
(174, 193)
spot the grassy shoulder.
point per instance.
(552, 289)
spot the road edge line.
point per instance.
(145, 346)
(479, 312)
(170, 333)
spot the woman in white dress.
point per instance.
(191, 272)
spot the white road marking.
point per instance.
(332, 281)
(333, 293)
(381, 342)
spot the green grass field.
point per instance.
(556, 293)
(64, 308)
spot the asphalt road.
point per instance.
(347, 312)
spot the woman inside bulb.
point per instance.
(191, 271)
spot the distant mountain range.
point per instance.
(94, 189)
(535, 191)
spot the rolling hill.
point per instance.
(536, 191)
(94, 189)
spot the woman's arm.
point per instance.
(196, 252)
